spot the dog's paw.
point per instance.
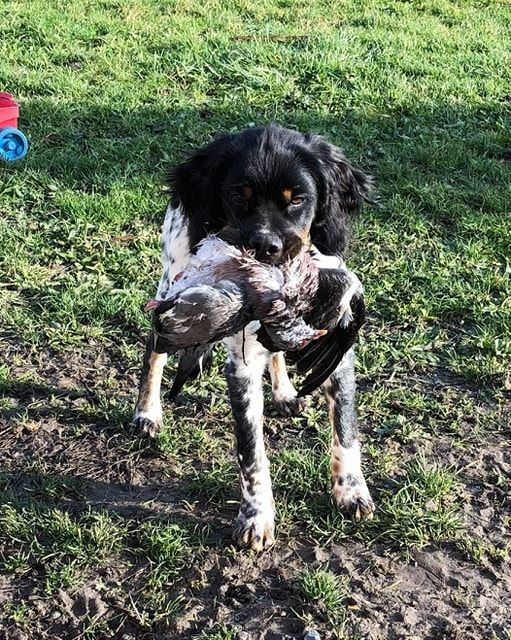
(290, 406)
(255, 531)
(143, 425)
(351, 494)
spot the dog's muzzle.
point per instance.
(268, 246)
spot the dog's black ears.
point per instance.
(195, 184)
(342, 189)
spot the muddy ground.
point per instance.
(57, 424)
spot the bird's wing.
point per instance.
(199, 315)
(320, 358)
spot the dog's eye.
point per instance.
(297, 200)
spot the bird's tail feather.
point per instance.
(192, 363)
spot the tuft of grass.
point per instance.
(165, 545)
(327, 592)
(61, 575)
(221, 632)
(64, 547)
(480, 550)
(18, 613)
(170, 548)
(423, 507)
(215, 483)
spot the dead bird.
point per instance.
(298, 303)
(224, 288)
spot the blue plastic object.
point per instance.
(13, 144)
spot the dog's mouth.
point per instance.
(292, 247)
(293, 244)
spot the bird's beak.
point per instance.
(152, 305)
(317, 334)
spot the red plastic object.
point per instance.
(9, 111)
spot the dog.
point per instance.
(271, 184)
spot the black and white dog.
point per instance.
(270, 184)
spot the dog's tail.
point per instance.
(192, 363)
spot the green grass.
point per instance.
(417, 94)
(219, 633)
(423, 507)
(327, 593)
(63, 550)
(53, 540)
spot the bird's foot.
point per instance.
(152, 304)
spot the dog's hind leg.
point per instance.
(349, 487)
(284, 392)
(254, 526)
(175, 253)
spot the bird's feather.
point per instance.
(200, 314)
(319, 359)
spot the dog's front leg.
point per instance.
(148, 413)
(254, 526)
(175, 254)
(349, 487)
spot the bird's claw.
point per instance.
(152, 305)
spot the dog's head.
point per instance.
(271, 186)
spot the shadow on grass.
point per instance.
(77, 494)
(57, 530)
(89, 147)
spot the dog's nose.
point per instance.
(266, 245)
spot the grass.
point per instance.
(327, 593)
(62, 550)
(416, 93)
(422, 507)
(219, 633)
